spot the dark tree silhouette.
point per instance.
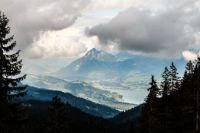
(174, 79)
(11, 114)
(189, 68)
(165, 84)
(10, 67)
(149, 121)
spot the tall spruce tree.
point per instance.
(149, 121)
(174, 79)
(153, 91)
(189, 70)
(186, 100)
(189, 67)
(10, 65)
(11, 116)
(165, 108)
(165, 84)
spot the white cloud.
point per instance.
(69, 42)
(156, 27)
(30, 18)
(189, 55)
(168, 30)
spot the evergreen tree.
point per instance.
(149, 121)
(153, 91)
(188, 96)
(168, 86)
(10, 69)
(178, 110)
(165, 84)
(174, 79)
(189, 68)
(10, 65)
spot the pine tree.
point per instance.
(174, 79)
(149, 120)
(153, 91)
(189, 68)
(10, 69)
(178, 110)
(165, 84)
(164, 101)
(185, 101)
(10, 65)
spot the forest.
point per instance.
(171, 106)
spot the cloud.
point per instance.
(148, 27)
(189, 55)
(163, 33)
(69, 42)
(29, 18)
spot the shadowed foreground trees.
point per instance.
(11, 113)
(177, 104)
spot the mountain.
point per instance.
(129, 115)
(93, 60)
(122, 72)
(116, 80)
(84, 105)
(99, 65)
(95, 54)
(79, 89)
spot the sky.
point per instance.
(69, 28)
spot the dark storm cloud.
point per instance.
(165, 33)
(29, 18)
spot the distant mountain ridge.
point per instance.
(93, 60)
(103, 63)
(95, 63)
(78, 89)
(99, 55)
(129, 115)
(106, 78)
(83, 104)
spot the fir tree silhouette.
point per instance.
(10, 67)
(10, 78)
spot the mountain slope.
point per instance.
(129, 115)
(122, 73)
(98, 65)
(93, 60)
(79, 89)
(84, 105)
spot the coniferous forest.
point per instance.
(172, 106)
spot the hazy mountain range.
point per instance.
(87, 106)
(118, 80)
